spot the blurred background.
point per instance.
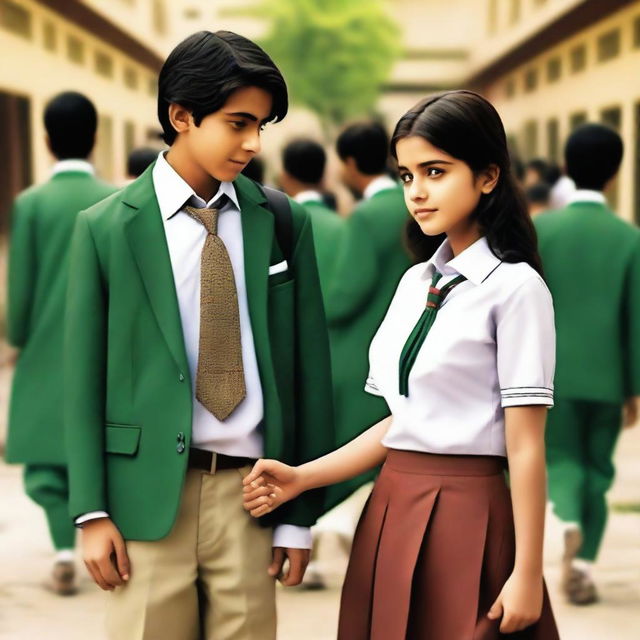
(547, 65)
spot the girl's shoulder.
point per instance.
(512, 278)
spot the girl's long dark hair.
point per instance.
(467, 127)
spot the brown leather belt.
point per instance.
(212, 462)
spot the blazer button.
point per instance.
(180, 436)
(180, 447)
(181, 377)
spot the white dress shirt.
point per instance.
(381, 183)
(492, 346)
(587, 195)
(72, 164)
(310, 195)
(241, 433)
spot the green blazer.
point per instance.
(327, 231)
(591, 260)
(128, 405)
(370, 263)
(42, 223)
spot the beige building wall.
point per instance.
(593, 75)
(52, 54)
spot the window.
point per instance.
(492, 19)
(636, 32)
(576, 119)
(510, 87)
(553, 140)
(75, 49)
(104, 64)
(608, 45)
(530, 80)
(130, 78)
(531, 139)
(554, 69)
(129, 137)
(612, 117)
(578, 58)
(49, 36)
(514, 11)
(159, 16)
(15, 18)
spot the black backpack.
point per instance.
(278, 203)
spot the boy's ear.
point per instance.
(180, 118)
(489, 178)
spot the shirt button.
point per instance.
(181, 378)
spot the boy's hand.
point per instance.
(519, 603)
(298, 561)
(269, 484)
(105, 553)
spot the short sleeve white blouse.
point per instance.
(492, 346)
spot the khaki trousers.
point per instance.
(207, 580)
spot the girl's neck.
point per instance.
(461, 239)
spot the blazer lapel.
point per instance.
(146, 237)
(257, 234)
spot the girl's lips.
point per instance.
(423, 213)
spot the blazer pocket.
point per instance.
(122, 439)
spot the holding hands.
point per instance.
(269, 485)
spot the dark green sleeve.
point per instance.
(356, 273)
(85, 374)
(22, 275)
(314, 404)
(632, 324)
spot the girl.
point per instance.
(442, 552)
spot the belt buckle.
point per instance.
(214, 462)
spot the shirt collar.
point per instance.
(173, 192)
(73, 164)
(310, 195)
(587, 195)
(475, 263)
(381, 183)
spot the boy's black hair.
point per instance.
(71, 121)
(368, 144)
(206, 68)
(139, 159)
(593, 154)
(304, 160)
(538, 193)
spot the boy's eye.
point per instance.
(434, 171)
(405, 178)
(238, 124)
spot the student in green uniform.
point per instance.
(591, 260)
(196, 341)
(369, 265)
(41, 227)
(303, 165)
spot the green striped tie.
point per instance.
(414, 342)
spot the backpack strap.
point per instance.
(278, 203)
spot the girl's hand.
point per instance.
(270, 484)
(519, 603)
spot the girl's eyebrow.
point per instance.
(425, 164)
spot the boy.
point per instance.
(591, 260)
(42, 224)
(206, 349)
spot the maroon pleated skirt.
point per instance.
(433, 548)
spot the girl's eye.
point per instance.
(432, 172)
(238, 124)
(405, 178)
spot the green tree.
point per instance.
(334, 54)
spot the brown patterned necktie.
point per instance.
(220, 384)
